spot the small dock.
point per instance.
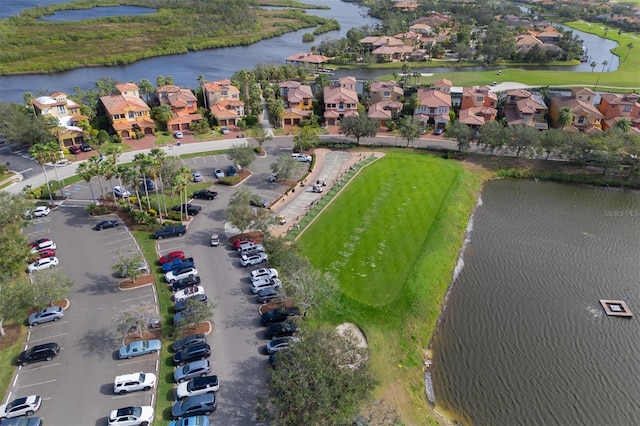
(616, 308)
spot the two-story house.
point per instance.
(67, 113)
(615, 106)
(339, 102)
(585, 116)
(433, 108)
(299, 100)
(386, 100)
(478, 106)
(523, 107)
(223, 99)
(127, 112)
(184, 105)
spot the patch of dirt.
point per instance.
(287, 303)
(252, 235)
(205, 328)
(12, 335)
(142, 281)
(156, 333)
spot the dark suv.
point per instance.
(44, 352)
(278, 315)
(190, 209)
(170, 231)
(185, 282)
(192, 353)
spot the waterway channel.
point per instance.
(523, 339)
(222, 63)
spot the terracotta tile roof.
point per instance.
(299, 112)
(433, 98)
(337, 94)
(307, 58)
(127, 87)
(300, 93)
(118, 104)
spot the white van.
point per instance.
(250, 248)
(303, 158)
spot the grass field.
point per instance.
(392, 238)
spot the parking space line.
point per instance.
(45, 338)
(131, 362)
(45, 325)
(38, 384)
(136, 298)
(41, 367)
(126, 395)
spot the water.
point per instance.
(523, 340)
(97, 12)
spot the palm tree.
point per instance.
(180, 184)
(121, 173)
(623, 124)
(142, 162)
(629, 47)
(146, 88)
(277, 109)
(604, 64)
(163, 114)
(86, 172)
(565, 117)
(41, 152)
(130, 175)
(158, 156)
(109, 170)
(201, 82)
(154, 171)
(593, 65)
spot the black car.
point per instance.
(204, 404)
(279, 315)
(269, 294)
(148, 184)
(232, 171)
(258, 201)
(85, 147)
(106, 224)
(281, 329)
(170, 231)
(192, 353)
(44, 352)
(182, 304)
(205, 194)
(188, 340)
(185, 282)
(191, 209)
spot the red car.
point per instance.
(45, 253)
(236, 243)
(170, 257)
(38, 242)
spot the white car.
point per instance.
(178, 135)
(119, 191)
(131, 416)
(198, 386)
(24, 406)
(40, 211)
(188, 292)
(257, 274)
(44, 263)
(44, 246)
(218, 174)
(270, 283)
(134, 382)
(254, 259)
(224, 130)
(303, 158)
(178, 274)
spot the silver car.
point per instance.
(193, 369)
(52, 313)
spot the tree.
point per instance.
(129, 266)
(242, 155)
(565, 117)
(195, 313)
(136, 318)
(163, 114)
(147, 89)
(623, 124)
(86, 172)
(15, 298)
(461, 133)
(493, 136)
(14, 250)
(551, 141)
(310, 287)
(285, 166)
(159, 156)
(629, 47)
(523, 138)
(144, 163)
(307, 138)
(276, 109)
(359, 127)
(42, 152)
(593, 65)
(49, 286)
(409, 129)
(239, 213)
(309, 384)
(604, 64)
(260, 135)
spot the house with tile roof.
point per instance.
(184, 105)
(299, 100)
(433, 108)
(223, 99)
(307, 60)
(127, 112)
(385, 91)
(615, 106)
(339, 102)
(66, 112)
(586, 117)
(478, 106)
(523, 107)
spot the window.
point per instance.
(480, 99)
(627, 108)
(224, 93)
(581, 119)
(62, 109)
(131, 114)
(386, 94)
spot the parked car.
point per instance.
(134, 382)
(178, 274)
(148, 184)
(281, 329)
(106, 224)
(119, 191)
(232, 171)
(188, 340)
(303, 158)
(204, 404)
(38, 242)
(190, 209)
(205, 194)
(191, 353)
(282, 343)
(45, 253)
(224, 130)
(260, 273)
(197, 177)
(272, 283)
(141, 347)
(250, 248)
(198, 386)
(40, 211)
(178, 135)
(317, 189)
(44, 245)
(188, 292)
(44, 263)
(270, 293)
(193, 369)
(178, 254)
(178, 264)
(75, 149)
(254, 259)
(37, 353)
(20, 421)
(170, 231)
(24, 406)
(218, 174)
(189, 281)
(142, 267)
(438, 131)
(279, 315)
(132, 416)
(191, 421)
(182, 304)
(258, 201)
(48, 314)
(238, 243)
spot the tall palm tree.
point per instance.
(41, 152)
(159, 156)
(629, 47)
(142, 162)
(604, 64)
(163, 114)
(95, 163)
(180, 184)
(85, 171)
(109, 170)
(201, 82)
(593, 65)
(623, 124)
(130, 175)
(147, 89)
(277, 108)
(120, 174)
(565, 117)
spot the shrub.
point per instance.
(229, 180)
(152, 212)
(308, 38)
(174, 216)
(117, 139)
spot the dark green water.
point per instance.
(523, 339)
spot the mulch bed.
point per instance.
(64, 304)
(253, 235)
(143, 280)
(12, 335)
(287, 303)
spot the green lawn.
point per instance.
(7, 362)
(392, 238)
